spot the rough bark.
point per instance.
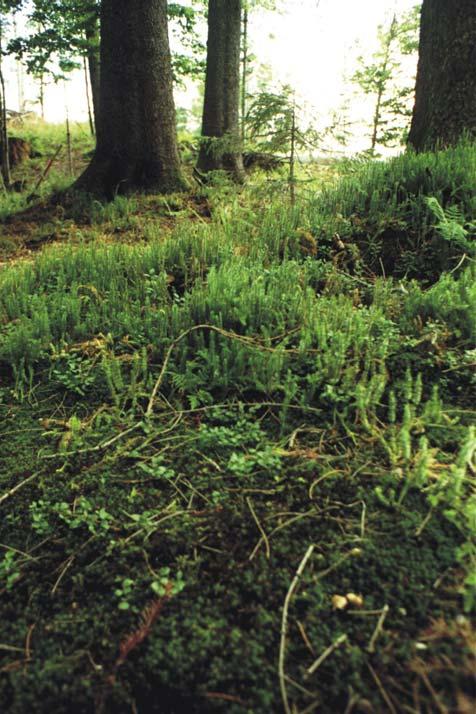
(222, 91)
(445, 99)
(136, 127)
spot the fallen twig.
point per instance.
(28, 642)
(355, 552)
(327, 652)
(438, 703)
(68, 564)
(378, 629)
(284, 627)
(260, 528)
(381, 689)
(19, 486)
(45, 173)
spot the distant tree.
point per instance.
(6, 6)
(69, 29)
(5, 162)
(136, 128)
(381, 78)
(221, 143)
(63, 29)
(445, 101)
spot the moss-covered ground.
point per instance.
(205, 397)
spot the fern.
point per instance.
(451, 224)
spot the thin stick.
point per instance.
(10, 648)
(20, 552)
(307, 514)
(98, 447)
(378, 629)
(45, 172)
(68, 134)
(382, 691)
(351, 554)
(424, 523)
(327, 652)
(300, 687)
(362, 520)
(19, 486)
(441, 708)
(284, 627)
(28, 642)
(311, 707)
(260, 528)
(69, 562)
(304, 636)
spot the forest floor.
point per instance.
(238, 445)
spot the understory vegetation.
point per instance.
(203, 395)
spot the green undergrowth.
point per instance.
(409, 216)
(182, 419)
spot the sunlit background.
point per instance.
(311, 45)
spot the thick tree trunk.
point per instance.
(136, 126)
(445, 101)
(221, 145)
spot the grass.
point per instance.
(189, 403)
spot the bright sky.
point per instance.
(310, 44)
(314, 43)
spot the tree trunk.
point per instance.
(4, 149)
(244, 75)
(94, 65)
(445, 101)
(92, 125)
(136, 126)
(384, 77)
(221, 145)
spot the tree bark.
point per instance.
(136, 127)
(445, 99)
(221, 144)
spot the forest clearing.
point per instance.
(237, 388)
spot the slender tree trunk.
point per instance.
(292, 157)
(88, 97)
(221, 144)
(41, 78)
(383, 84)
(136, 127)
(42, 96)
(244, 75)
(94, 64)
(5, 156)
(445, 99)
(19, 74)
